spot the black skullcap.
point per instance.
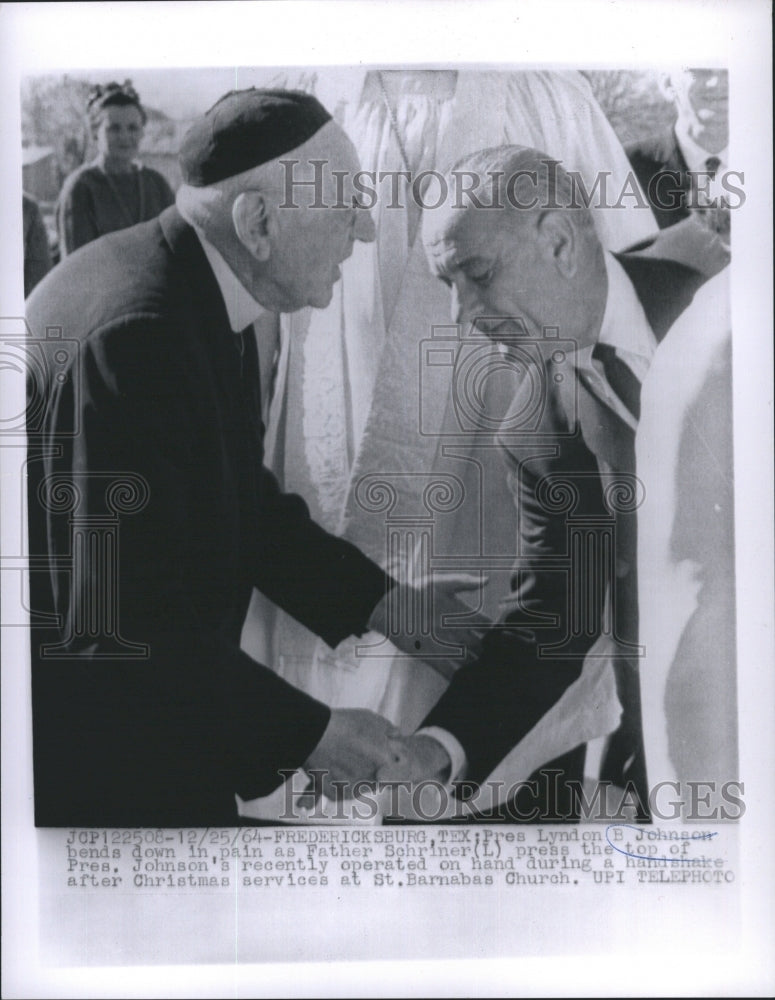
(246, 128)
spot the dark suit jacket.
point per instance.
(151, 519)
(576, 496)
(663, 174)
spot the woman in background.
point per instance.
(114, 191)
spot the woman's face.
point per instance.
(119, 132)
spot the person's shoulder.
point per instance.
(83, 178)
(157, 178)
(156, 175)
(688, 244)
(122, 274)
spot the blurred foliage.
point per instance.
(632, 101)
(53, 114)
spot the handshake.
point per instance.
(424, 618)
(359, 747)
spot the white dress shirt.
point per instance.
(241, 307)
(243, 311)
(626, 329)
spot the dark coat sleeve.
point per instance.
(192, 717)
(323, 581)
(493, 703)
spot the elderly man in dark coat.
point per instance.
(151, 516)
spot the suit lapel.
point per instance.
(607, 436)
(239, 398)
(664, 288)
(206, 306)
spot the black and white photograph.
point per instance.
(387, 501)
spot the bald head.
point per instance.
(516, 251)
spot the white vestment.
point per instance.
(686, 566)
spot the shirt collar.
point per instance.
(695, 156)
(624, 325)
(624, 328)
(241, 307)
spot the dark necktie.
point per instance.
(620, 377)
(624, 760)
(247, 352)
(715, 214)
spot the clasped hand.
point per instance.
(359, 749)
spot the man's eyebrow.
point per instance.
(472, 262)
(443, 261)
(449, 261)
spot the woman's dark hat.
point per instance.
(246, 128)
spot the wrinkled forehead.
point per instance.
(452, 232)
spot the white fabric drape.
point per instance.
(686, 572)
(356, 394)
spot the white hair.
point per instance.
(209, 208)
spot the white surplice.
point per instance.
(686, 563)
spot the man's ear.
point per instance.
(255, 223)
(558, 240)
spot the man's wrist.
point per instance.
(453, 748)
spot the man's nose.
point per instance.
(364, 228)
